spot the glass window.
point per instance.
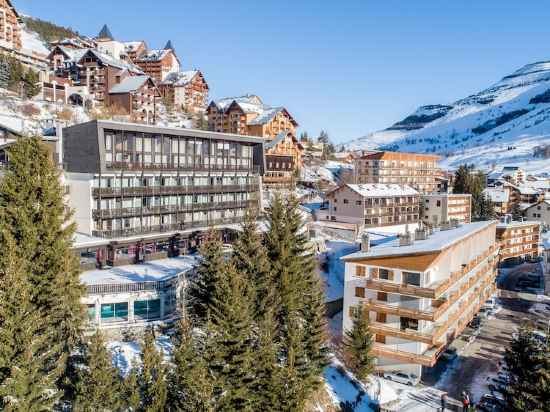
(147, 309)
(114, 312)
(411, 278)
(408, 323)
(91, 313)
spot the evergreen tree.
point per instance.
(152, 376)
(131, 391)
(209, 271)
(462, 179)
(26, 384)
(191, 388)
(31, 82)
(323, 137)
(516, 211)
(230, 340)
(32, 212)
(99, 385)
(299, 315)
(528, 366)
(358, 343)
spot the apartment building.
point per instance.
(148, 187)
(420, 290)
(518, 240)
(137, 96)
(159, 63)
(187, 91)
(437, 208)
(283, 158)
(372, 205)
(416, 170)
(539, 212)
(500, 197)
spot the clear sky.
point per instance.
(347, 66)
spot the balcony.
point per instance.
(410, 334)
(174, 227)
(170, 190)
(170, 167)
(428, 358)
(159, 285)
(164, 209)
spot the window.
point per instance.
(411, 278)
(91, 312)
(438, 203)
(408, 323)
(346, 201)
(114, 312)
(360, 271)
(358, 202)
(382, 296)
(147, 309)
(381, 317)
(359, 292)
(380, 338)
(385, 274)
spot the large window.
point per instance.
(91, 312)
(410, 278)
(408, 323)
(147, 309)
(114, 312)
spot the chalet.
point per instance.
(248, 115)
(134, 49)
(137, 96)
(186, 90)
(420, 290)
(105, 43)
(283, 157)
(539, 212)
(158, 63)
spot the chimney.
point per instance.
(406, 239)
(365, 242)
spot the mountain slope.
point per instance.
(507, 123)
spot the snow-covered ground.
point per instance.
(126, 355)
(334, 276)
(329, 171)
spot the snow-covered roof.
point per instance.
(74, 55)
(111, 61)
(145, 272)
(31, 44)
(130, 46)
(279, 138)
(82, 240)
(247, 100)
(266, 116)
(382, 190)
(511, 169)
(516, 223)
(438, 241)
(497, 195)
(129, 84)
(180, 78)
(530, 205)
(154, 55)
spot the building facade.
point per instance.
(283, 158)
(372, 205)
(187, 91)
(518, 240)
(539, 212)
(439, 208)
(420, 291)
(136, 181)
(416, 170)
(137, 96)
(159, 63)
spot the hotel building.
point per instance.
(416, 170)
(439, 208)
(420, 290)
(147, 188)
(518, 240)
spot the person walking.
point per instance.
(443, 401)
(465, 402)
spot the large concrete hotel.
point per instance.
(421, 290)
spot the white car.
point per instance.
(490, 304)
(402, 377)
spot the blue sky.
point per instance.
(348, 66)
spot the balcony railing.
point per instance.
(170, 190)
(198, 168)
(159, 285)
(410, 334)
(156, 210)
(173, 227)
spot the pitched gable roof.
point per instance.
(105, 33)
(111, 61)
(181, 78)
(130, 84)
(280, 137)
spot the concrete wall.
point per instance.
(80, 200)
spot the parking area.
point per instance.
(480, 351)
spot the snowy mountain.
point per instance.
(506, 124)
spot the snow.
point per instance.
(328, 171)
(31, 44)
(504, 139)
(126, 355)
(382, 190)
(439, 240)
(334, 278)
(145, 272)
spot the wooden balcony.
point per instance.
(409, 334)
(429, 358)
(105, 192)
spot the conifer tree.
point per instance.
(99, 384)
(25, 383)
(152, 376)
(32, 212)
(131, 391)
(191, 388)
(358, 343)
(230, 339)
(211, 267)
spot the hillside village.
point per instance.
(435, 233)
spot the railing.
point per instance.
(163, 190)
(107, 288)
(197, 168)
(382, 329)
(154, 210)
(381, 350)
(175, 227)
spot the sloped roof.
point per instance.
(130, 46)
(266, 116)
(279, 138)
(105, 33)
(111, 61)
(248, 100)
(129, 84)
(169, 46)
(180, 78)
(382, 190)
(497, 195)
(73, 55)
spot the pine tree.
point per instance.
(301, 329)
(99, 384)
(230, 339)
(131, 391)
(31, 83)
(358, 343)
(152, 376)
(191, 388)
(209, 271)
(33, 213)
(528, 366)
(462, 180)
(26, 384)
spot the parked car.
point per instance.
(491, 403)
(475, 323)
(490, 303)
(449, 354)
(402, 377)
